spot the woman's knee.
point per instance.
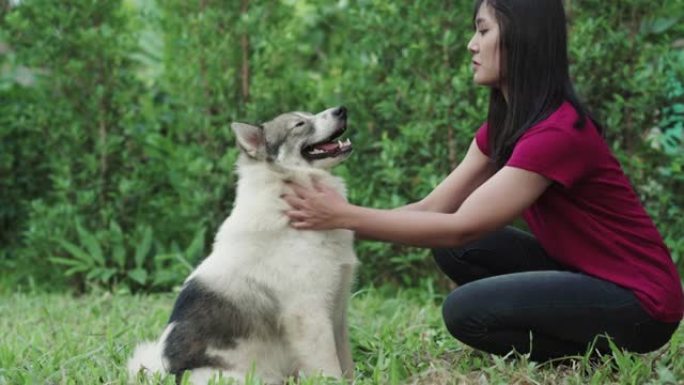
(489, 244)
(462, 265)
(452, 263)
(463, 315)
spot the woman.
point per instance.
(594, 265)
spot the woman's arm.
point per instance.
(492, 205)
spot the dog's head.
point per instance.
(297, 139)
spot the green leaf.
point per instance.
(92, 244)
(663, 24)
(65, 261)
(94, 273)
(184, 261)
(75, 269)
(76, 252)
(118, 248)
(119, 255)
(143, 247)
(138, 275)
(108, 273)
(196, 247)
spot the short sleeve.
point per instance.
(482, 138)
(560, 155)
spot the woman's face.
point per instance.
(484, 46)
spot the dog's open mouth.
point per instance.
(329, 148)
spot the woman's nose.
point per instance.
(472, 46)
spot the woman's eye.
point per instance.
(483, 31)
(299, 124)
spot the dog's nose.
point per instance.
(340, 112)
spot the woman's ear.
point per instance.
(250, 138)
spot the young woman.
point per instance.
(594, 264)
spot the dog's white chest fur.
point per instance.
(256, 239)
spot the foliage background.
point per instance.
(116, 160)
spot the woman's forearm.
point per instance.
(406, 225)
(415, 206)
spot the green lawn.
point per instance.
(397, 337)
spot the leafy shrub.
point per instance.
(665, 199)
(117, 158)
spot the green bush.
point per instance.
(665, 188)
(117, 158)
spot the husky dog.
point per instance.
(269, 298)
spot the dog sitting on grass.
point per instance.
(269, 300)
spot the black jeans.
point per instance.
(512, 296)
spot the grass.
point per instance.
(397, 337)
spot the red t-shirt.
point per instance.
(591, 219)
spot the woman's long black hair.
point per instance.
(534, 69)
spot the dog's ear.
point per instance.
(250, 138)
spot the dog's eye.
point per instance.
(299, 124)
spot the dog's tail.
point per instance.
(147, 359)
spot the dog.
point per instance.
(269, 300)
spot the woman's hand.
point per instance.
(320, 208)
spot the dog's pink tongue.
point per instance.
(330, 146)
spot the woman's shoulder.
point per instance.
(564, 117)
(564, 121)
